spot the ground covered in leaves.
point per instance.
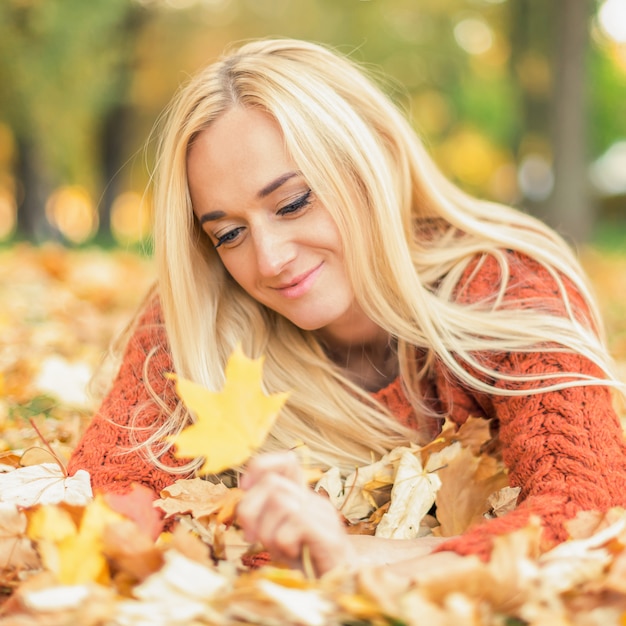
(69, 558)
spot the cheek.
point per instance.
(328, 234)
(240, 270)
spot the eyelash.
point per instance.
(299, 203)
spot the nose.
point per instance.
(274, 251)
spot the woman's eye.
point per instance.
(228, 237)
(297, 204)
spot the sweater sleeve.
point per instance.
(129, 413)
(564, 449)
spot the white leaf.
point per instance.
(574, 562)
(307, 606)
(64, 381)
(57, 598)
(357, 504)
(412, 496)
(45, 484)
(178, 593)
(332, 484)
(16, 549)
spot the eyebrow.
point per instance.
(211, 216)
(275, 184)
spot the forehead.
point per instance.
(242, 150)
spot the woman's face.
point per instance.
(273, 235)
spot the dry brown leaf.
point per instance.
(137, 505)
(462, 498)
(178, 593)
(130, 550)
(474, 434)
(16, 550)
(615, 579)
(189, 545)
(195, 495)
(368, 526)
(503, 501)
(587, 523)
(228, 543)
(580, 560)
(514, 569)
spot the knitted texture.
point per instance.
(564, 449)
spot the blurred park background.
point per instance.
(520, 101)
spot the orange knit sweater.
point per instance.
(564, 449)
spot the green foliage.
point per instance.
(607, 96)
(67, 65)
(60, 64)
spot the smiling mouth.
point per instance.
(300, 285)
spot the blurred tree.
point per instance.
(63, 65)
(495, 87)
(571, 207)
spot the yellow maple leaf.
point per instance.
(73, 554)
(230, 424)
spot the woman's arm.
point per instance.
(104, 449)
(565, 449)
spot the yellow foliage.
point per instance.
(73, 554)
(231, 424)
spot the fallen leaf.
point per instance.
(16, 550)
(361, 491)
(73, 554)
(503, 501)
(574, 562)
(474, 433)
(192, 495)
(412, 496)
(177, 594)
(45, 484)
(65, 381)
(190, 545)
(232, 424)
(131, 551)
(137, 505)
(308, 607)
(587, 523)
(466, 484)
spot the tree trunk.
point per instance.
(35, 188)
(571, 207)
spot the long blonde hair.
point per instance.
(367, 166)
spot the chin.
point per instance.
(308, 324)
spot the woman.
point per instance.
(297, 213)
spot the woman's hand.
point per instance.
(280, 511)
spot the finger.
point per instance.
(282, 463)
(266, 503)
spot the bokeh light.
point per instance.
(130, 218)
(473, 35)
(8, 212)
(608, 172)
(431, 112)
(535, 177)
(71, 210)
(7, 146)
(470, 157)
(612, 19)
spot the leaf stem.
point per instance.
(55, 456)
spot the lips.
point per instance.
(299, 285)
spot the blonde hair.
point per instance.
(369, 169)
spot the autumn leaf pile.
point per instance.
(69, 557)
